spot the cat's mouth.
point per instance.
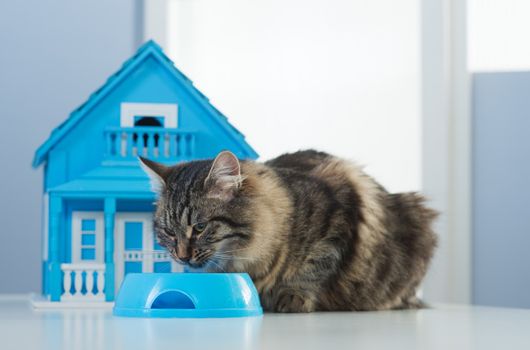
(196, 265)
(196, 260)
(191, 262)
(205, 265)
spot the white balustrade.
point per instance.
(83, 285)
(126, 143)
(161, 256)
(149, 258)
(138, 255)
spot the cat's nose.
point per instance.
(185, 259)
(182, 253)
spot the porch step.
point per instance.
(41, 302)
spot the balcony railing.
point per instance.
(83, 282)
(150, 258)
(151, 142)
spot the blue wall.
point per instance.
(501, 186)
(53, 54)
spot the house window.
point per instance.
(162, 266)
(133, 235)
(148, 114)
(87, 237)
(157, 246)
(148, 121)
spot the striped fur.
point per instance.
(313, 231)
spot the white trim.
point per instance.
(166, 110)
(460, 261)
(446, 159)
(156, 21)
(77, 216)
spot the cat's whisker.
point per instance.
(225, 257)
(234, 250)
(151, 252)
(216, 264)
(222, 254)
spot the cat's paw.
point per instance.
(291, 303)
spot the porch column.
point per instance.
(110, 211)
(55, 281)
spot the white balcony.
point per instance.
(83, 282)
(152, 142)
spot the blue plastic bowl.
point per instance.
(187, 295)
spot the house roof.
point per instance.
(149, 49)
(127, 181)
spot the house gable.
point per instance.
(148, 77)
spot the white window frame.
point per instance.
(168, 111)
(77, 217)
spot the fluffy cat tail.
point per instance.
(412, 210)
(415, 235)
(413, 205)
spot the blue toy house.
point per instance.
(97, 200)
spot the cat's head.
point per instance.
(204, 215)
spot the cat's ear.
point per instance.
(157, 172)
(224, 178)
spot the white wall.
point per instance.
(498, 35)
(341, 76)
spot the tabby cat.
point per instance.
(313, 231)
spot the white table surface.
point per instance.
(443, 327)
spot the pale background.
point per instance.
(383, 82)
(53, 55)
(342, 76)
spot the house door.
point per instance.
(136, 249)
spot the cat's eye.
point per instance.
(200, 226)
